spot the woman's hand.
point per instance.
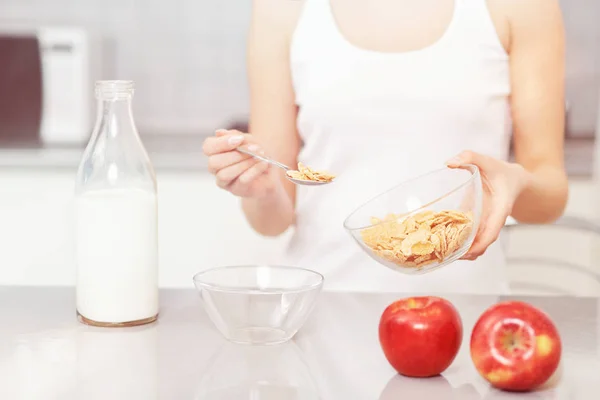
(238, 173)
(502, 184)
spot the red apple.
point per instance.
(420, 336)
(515, 346)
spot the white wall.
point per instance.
(187, 57)
(200, 227)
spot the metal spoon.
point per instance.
(283, 167)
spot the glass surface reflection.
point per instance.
(259, 373)
(117, 364)
(401, 387)
(83, 363)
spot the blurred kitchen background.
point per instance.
(187, 59)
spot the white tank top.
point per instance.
(377, 119)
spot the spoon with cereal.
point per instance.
(302, 176)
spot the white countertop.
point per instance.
(46, 354)
(184, 152)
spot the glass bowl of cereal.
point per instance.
(421, 224)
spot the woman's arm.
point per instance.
(538, 107)
(535, 188)
(272, 109)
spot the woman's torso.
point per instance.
(377, 119)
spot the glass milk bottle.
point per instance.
(116, 218)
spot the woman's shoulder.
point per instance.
(278, 16)
(529, 8)
(514, 18)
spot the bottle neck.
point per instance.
(115, 116)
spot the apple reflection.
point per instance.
(495, 394)
(272, 372)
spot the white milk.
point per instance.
(117, 255)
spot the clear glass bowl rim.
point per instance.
(231, 289)
(470, 167)
(128, 83)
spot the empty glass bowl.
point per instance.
(257, 304)
(422, 224)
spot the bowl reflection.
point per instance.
(402, 387)
(272, 372)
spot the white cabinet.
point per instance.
(558, 259)
(200, 227)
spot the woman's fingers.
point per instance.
(489, 234)
(227, 175)
(470, 157)
(241, 186)
(234, 171)
(221, 144)
(222, 132)
(253, 172)
(221, 149)
(224, 160)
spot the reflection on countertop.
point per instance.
(46, 354)
(184, 152)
